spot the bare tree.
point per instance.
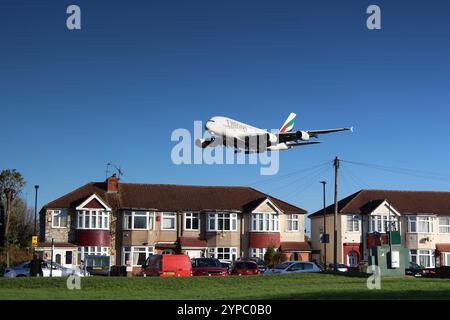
(11, 184)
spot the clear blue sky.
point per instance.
(71, 101)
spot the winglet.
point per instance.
(288, 125)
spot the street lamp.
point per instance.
(35, 208)
(324, 237)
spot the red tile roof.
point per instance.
(443, 247)
(192, 242)
(363, 201)
(170, 197)
(295, 246)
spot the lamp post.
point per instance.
(324, 238)
(35, 208)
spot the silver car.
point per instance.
(294, 267)
(23, 270)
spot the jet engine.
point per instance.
(303, 135)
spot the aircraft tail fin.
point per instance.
(288, 125)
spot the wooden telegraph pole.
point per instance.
(336, 187)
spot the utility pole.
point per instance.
(35, 209)
(336, 187)
(324, 238)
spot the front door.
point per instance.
(63, 257)
(352, 259)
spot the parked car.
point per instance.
(415, 270)
(226, 264)
(294, 267)
(246, 267)
(261, 265)
(23, 270)
(167, 265)
(208, 267)
(340, 267)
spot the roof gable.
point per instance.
(93, 202)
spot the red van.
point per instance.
(167, 265)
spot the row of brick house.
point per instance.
(130, 221)
(365, 217)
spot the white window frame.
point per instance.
(216, 217)
(290, 220)
(352, 223)
(169, 215)
(258, 253)
(380, 223)
(415, 254)
(150, 218)
(420, 219)
(191, 216)
(220, 252)
(131, 250)
(444, 228)
(60, 216)
(265, 222)
(92, 250)
(100, 217)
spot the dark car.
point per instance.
(247, 267)
(208, 267)
(414, 270)
(261, 265)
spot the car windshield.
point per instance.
(204, 263)
(283, 266)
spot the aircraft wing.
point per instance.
(299, 144)
(298, 135)
(325, 131)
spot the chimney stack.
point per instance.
(112, 184)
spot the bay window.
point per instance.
(191, 221)
(93, 219)
(257, 253)
(382, 224)
(138, 220)
(268, 222)
(292, 223)
(223, 253)
(92, 251)
(169, 221)
(222, 222)
(444, 224)
(420, 224)
(424, 258)
(137, 255)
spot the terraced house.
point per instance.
(422, 217)
(129, 221)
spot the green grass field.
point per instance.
(305, 286)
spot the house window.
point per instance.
(223, 253)
(444, 224)
(352, 223)
(269, 222)
(424, 258)
(168, 221)
(191, 221)
(59, 219)
(94, 251)
(292, 223)
(258, 253)
(93, 219)
(382, 224)
(222, 222)
(420, 224)
(137, 255)
(138, 220)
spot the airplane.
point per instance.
(243, 137)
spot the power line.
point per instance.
(288, 175)
(409, 172)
